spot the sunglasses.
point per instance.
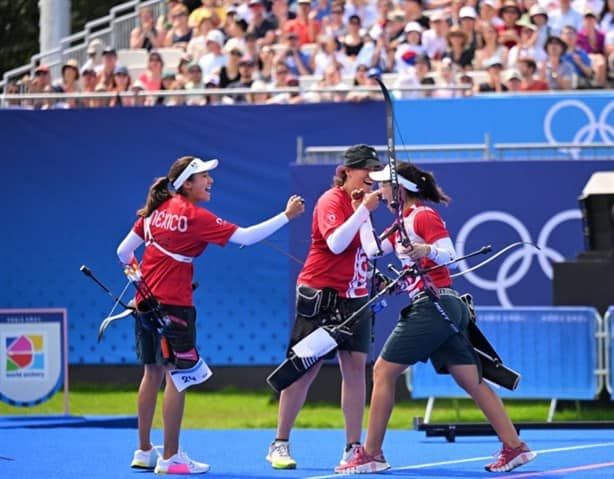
(236, 53)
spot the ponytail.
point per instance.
(158, 194)
(428, 189)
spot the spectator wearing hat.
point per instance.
(94, 55)
(412, 78)
(121, 84)
(70, 81)
(210, 9)
(105, 72)
(509, 30)
(260, 93)
(526, 46)
(180, 32)
(563, 16)
(538, 16)
(434, 39)
(467, 21)
(229, 72)
(492, 49)
(592, 41)
(527, 67)
(488, 15)
(577, 57)
(395, 27)
(88, 80)
(407, 52)
(259, 24)
(168, 78)
(146, 35)
(214, 59)
(494, 83)
(305, 25)
(295, 59)
(512, 80)
(40, 82)
(555, 71)
(458, 49)
(197, 46)
(446, 81)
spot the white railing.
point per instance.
(113, 29)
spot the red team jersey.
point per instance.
(183, 228)
(423, 225)
(345, 272)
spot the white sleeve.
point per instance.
(343, 236)
(369, 243)
(253, 234)
(442, 251)
(125, 250)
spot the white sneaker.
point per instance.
(145, 459)
(349, 453)
(180, 463)
(279, 455)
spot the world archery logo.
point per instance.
(25, 356)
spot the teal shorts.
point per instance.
(422, 333)
(359, 341)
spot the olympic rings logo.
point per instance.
(586, 134)
(504, 280)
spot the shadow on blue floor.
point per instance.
(95, 450)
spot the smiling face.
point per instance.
(198, 187)
(358, 179)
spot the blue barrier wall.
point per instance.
(549, 119)
(554, 350)
(74, 180)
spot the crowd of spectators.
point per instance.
(438, 48)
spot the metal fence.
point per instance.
(113, 29)
(469, 152)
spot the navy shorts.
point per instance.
(148, 349)
(361, 328)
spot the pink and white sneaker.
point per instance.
(511, 458)
(180, 463)
(363, 463)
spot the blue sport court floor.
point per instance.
(87, 448)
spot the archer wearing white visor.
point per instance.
(176, 230)
(423, 332)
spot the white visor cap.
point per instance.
(195, 166)
(384, 175)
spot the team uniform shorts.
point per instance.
(422, 333)
(360, 341)
(148, 349)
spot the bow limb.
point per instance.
(493, 257)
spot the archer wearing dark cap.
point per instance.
(334, 273)
(361, 156)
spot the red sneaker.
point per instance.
(511, 458)
(363, 463)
